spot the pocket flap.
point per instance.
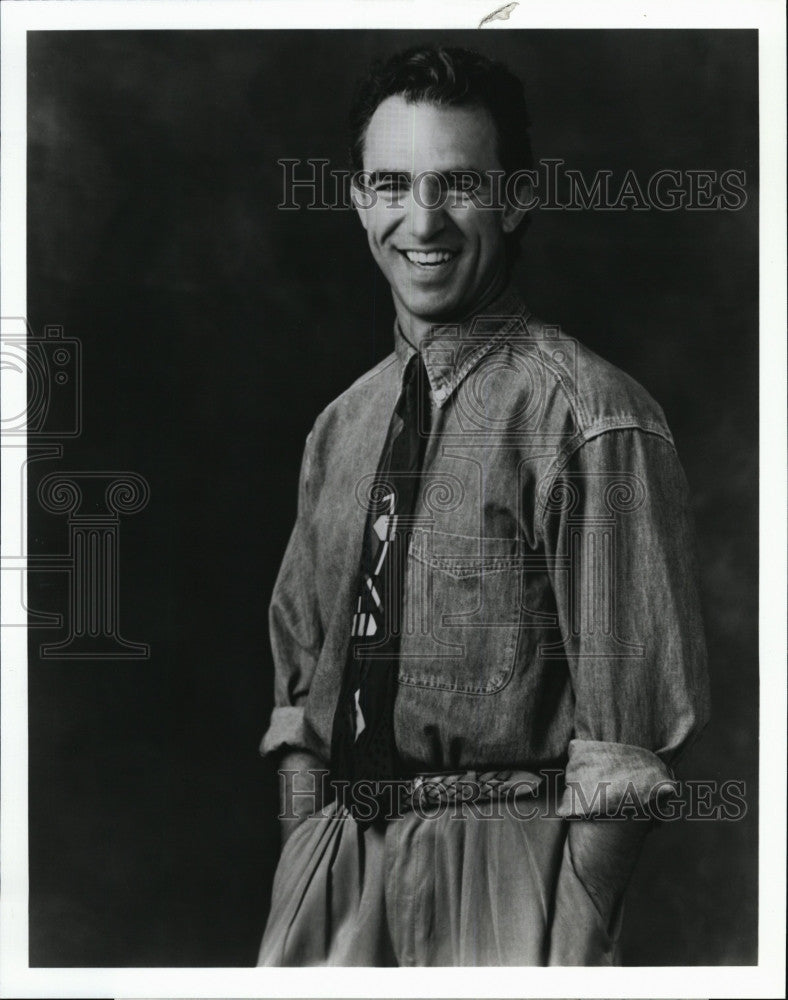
(464, 555)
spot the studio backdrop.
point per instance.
(191, 330)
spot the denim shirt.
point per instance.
(550, 614)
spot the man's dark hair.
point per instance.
(454, 77)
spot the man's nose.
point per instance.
(427, 215)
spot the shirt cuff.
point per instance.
(287, 729)
(608, 779)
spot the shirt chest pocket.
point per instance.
(461, 612)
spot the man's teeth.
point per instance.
(428, 257)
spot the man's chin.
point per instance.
(434, 307)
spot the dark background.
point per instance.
(215, 328)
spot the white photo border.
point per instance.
(764, 980)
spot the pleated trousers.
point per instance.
(451, 887)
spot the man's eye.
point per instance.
(466, 186)
(389, 186)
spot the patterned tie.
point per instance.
(363, 745)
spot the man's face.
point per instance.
(440, 261)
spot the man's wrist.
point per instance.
(301, 788)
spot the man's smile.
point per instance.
(429, 258)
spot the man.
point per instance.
(489, 588)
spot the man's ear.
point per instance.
(362, 196)
(518, 200)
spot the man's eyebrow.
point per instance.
(385, 175)
(448, 175)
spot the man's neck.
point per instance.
(415, 328)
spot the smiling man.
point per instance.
(441, 249)
(486, 626)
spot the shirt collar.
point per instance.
(451, 350)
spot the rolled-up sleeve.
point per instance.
(625, 580)
(295, 631)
